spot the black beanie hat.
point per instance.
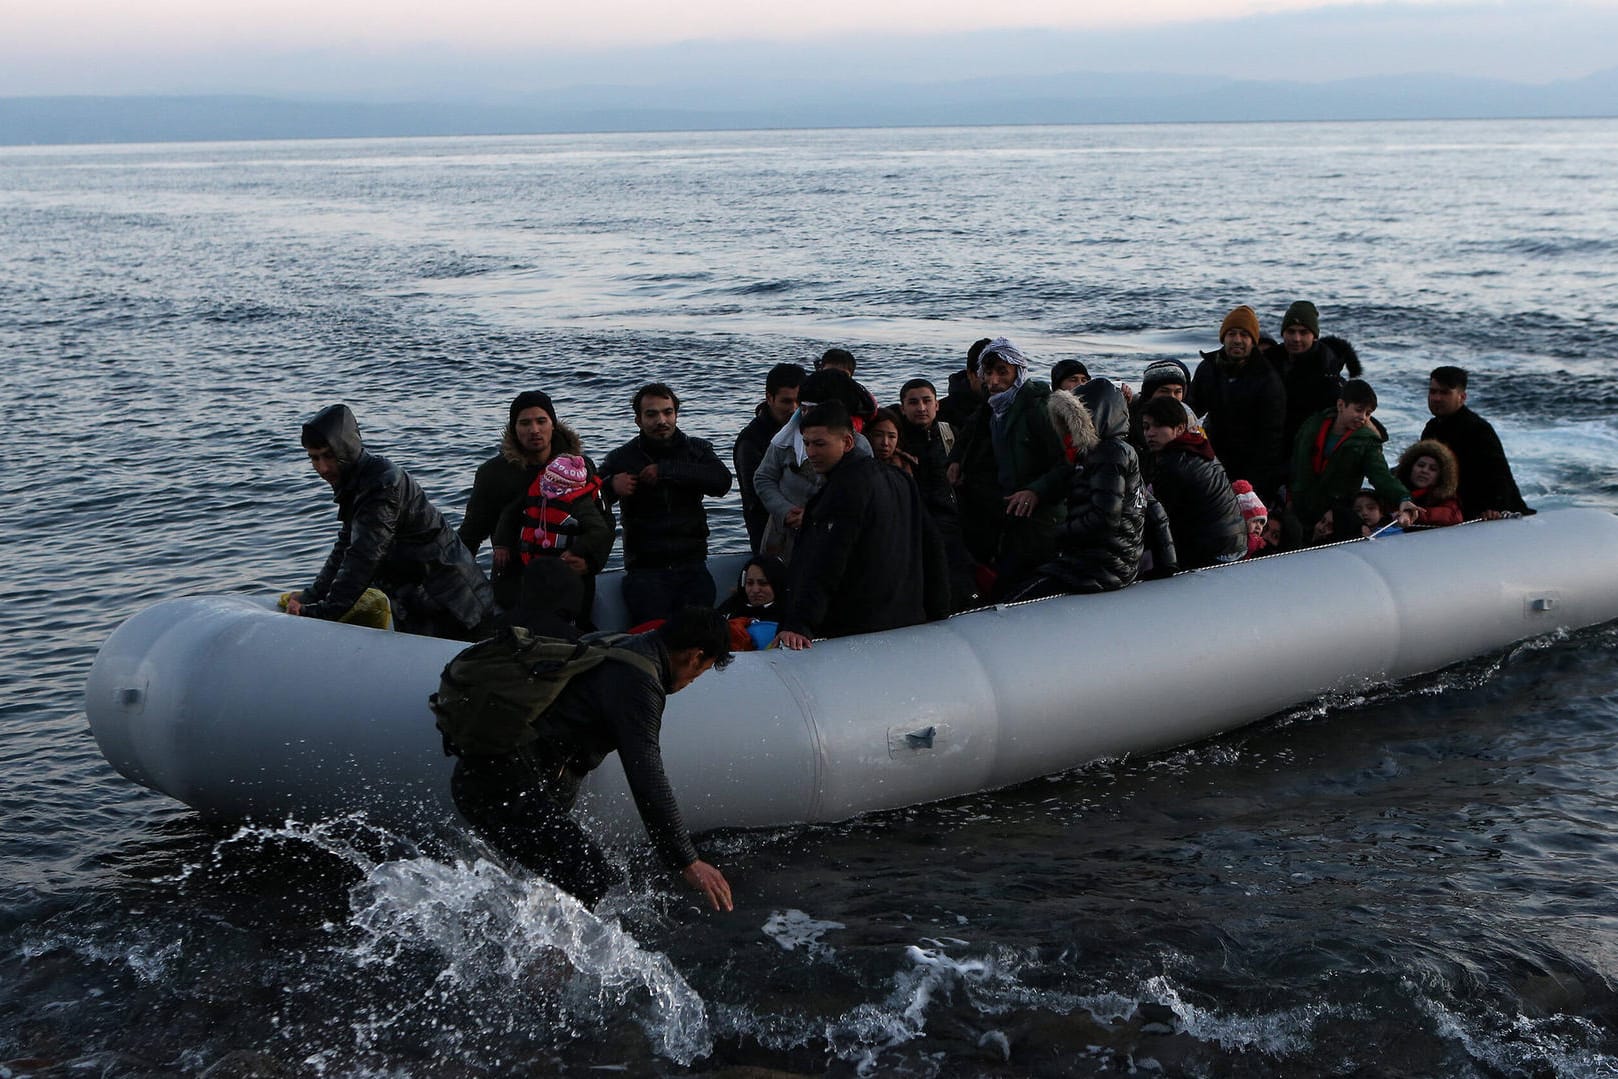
(531, 399)
(1163, 373)
(1065, 369)
(1302, 313)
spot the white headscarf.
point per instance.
(1003, 350)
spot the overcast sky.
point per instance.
(493, 48)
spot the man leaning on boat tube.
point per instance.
(391, 539)
(520, 800)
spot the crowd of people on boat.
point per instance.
(860, 518)
(864, 517)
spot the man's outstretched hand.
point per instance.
(710, 882)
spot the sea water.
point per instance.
(1414, 881)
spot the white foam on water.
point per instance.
(499, 935)
(513, 953)
(862, 1034)
(1520, 1045)
(1277, 1033)
(793, 929)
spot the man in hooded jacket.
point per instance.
(391, 538)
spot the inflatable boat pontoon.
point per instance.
(243, 712)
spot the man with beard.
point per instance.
(533, 436)
(1243, 405)
(660, 478)
(391, 538)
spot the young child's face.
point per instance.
(1368, 509)
(1256, 524)
(1353, 417)
(884, 440)
(1157, 437)
(1424, 473)
(757, 587)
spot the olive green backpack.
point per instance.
(491, 694)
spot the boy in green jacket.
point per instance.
(1337, 449)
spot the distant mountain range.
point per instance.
(742, 104)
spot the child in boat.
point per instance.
(1373, 515)
(1336, 451)
(563, 541)
(754, 609)
(1254, 516)
(1191, 484)
(1433, 475)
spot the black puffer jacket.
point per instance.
(391, 538)
(618, 707)
(666, 524)
(1244, 414)
(1100, 543)
(1195, 492)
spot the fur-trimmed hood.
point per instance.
(1449, 470)
(1073, 422)
(563, 440)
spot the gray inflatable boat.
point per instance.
(242, 712)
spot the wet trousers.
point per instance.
(509, 802)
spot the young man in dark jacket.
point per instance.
(519, 802)
(869, 557)
(1311, 366)
(1243, 406)
(391, 538)
(660, 478)
(1189, 481)
(1487, 489)
(780, 402)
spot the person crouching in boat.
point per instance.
(1429, 469)
(391, 538)
(754, 609)
(519, 801)
(532, 437)
(1101, 540)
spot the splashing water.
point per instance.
(501, 937)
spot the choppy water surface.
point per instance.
(1418, 882)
